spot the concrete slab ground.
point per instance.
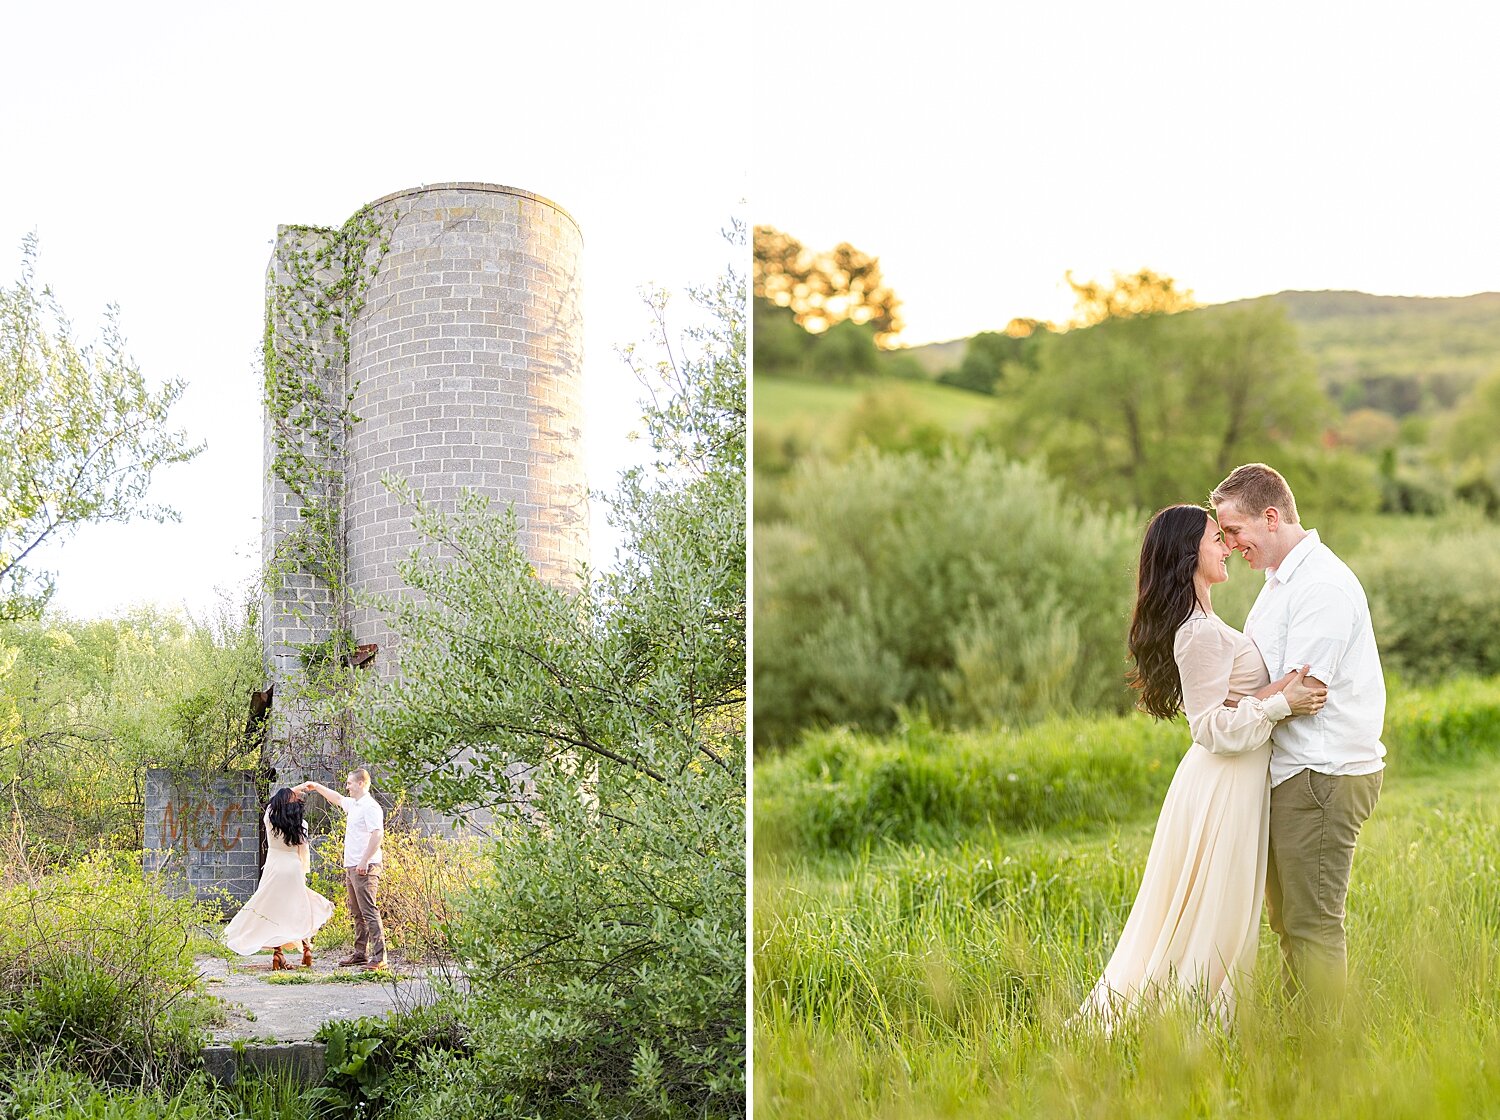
(257, 1008)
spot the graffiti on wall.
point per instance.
(202, 825)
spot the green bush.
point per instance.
(86, 706)
(95, 962)
(605, 954)
(607, 978)
(841, 791)
(1435, 603)
(373, 1063)
(966, 585)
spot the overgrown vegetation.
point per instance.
(842, 790)
(604, 952)
(978, 591)
(96, 969)
(81, 434)
(964, 585)
(931, 908)
(321, 278)
(87, 706)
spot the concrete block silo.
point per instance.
(462, 360)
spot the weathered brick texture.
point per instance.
(204, 833)
(466, 369)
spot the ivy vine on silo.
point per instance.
(318, 288)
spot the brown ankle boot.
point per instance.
(278, 962)
(307, 954)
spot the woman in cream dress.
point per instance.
(283, 911)
(1194, 928)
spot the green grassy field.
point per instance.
(922, 962)
(783, 401)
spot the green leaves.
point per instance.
(80, 434)
(964, 585)
(1157, 408)
(604, 723)
(85, 706)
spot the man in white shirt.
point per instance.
(1326, 769)
(363, 832)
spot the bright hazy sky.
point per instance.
(981, 150)
(155, 147)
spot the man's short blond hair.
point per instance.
(361, 775)
(1255, 488)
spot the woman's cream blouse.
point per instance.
(1218, 663)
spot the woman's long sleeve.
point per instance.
(1205, 660)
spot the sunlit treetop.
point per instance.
(827, 288)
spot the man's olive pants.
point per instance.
(1315, 819)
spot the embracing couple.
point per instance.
(1286, 760)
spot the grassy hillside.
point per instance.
(1400, 354)
(935, 357)
(781, 402)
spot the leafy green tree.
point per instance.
(781, 346)
(86, 706)
(846, 350)
(606, 954)
(1153, 408)
(1467, 444)
(80, 434)
(1127, 296)
(986, 358)
(900, 365)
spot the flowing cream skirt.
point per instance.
(282, 911)
(1194, 928)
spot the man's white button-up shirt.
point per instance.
(365, 816)
(1313, 611)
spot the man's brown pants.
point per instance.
(1315, 819)
(369, 934)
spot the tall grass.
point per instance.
(931, 971)
(842, 789)
(44, 1089)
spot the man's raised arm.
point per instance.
(332, 796)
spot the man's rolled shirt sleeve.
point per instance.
(1322, 625)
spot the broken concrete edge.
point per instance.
(304, 1062)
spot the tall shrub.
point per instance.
(96, 966)
(605, 954)
(965, 584)
(1434, 601)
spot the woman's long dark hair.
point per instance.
(1164, 597)
(286, 816)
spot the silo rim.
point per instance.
(491, 188)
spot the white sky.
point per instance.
(155, 147)
(980, 150)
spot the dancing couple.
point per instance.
(284, 912)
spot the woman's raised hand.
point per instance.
(1304, 699)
